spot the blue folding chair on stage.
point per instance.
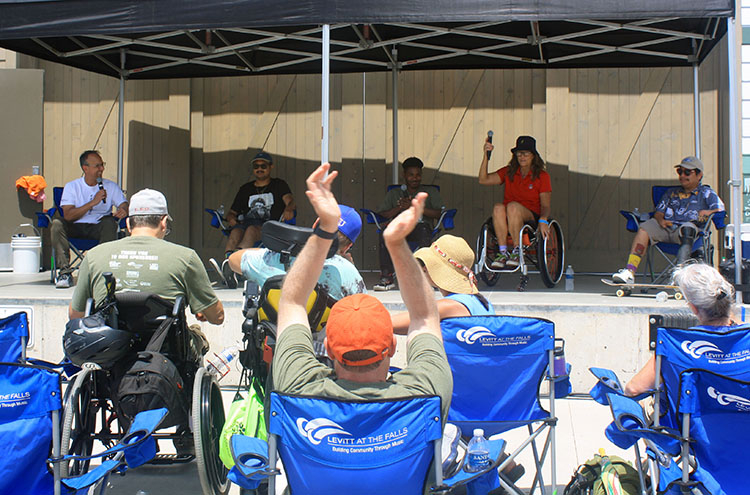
(368, 448)
(687, 425)
(444, 222)
(499, 364)
(702, 247)
(79, 246)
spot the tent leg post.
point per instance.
(325, 91)
(734, 151)
(394, 78)
(121, 120)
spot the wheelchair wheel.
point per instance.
(551, 255)
(208, 420)
(487, 276)
(79, 422)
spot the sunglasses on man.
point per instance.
(262, 166)
(686, 171)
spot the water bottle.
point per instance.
(218, 365)
(141, 492)
(637, 213)
(221, 211)
(569, 282)
(477, 453)
(662, 297)
(560, 366)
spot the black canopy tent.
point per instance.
(152, 39)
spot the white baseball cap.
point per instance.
(148, 202)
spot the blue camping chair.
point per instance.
(77, 245)
(518, 354)
(445, 221)
(702, 247)
(678, 428)
(14, 333)
(219, 221)
(333, 446)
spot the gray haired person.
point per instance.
(710, 296)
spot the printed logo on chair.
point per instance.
(741, 403)
(15, 399)
(341, 441)
(484, 337)
(714, 355)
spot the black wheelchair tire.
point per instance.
(551, 255)
(79, 421)
(208, 420)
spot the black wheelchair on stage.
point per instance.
(546, 255)
(106, 343)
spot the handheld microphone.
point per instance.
(489, 138)
(101, 187)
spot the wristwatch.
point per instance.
(323, 234)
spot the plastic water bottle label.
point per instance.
(477, 461)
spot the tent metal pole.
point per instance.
(325, 91)
(394, 77)
(697, 110)
(734, 151)
(121, 119)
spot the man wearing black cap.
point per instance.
(265, 198)
(680, 213)
(398, 200)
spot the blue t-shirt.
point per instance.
(473, 304)
(681, 207)
(339, 276)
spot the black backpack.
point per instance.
(152, 381)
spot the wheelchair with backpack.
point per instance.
(135, 353)
(546, 255)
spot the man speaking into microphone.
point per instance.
(87, 204)
(398, 200)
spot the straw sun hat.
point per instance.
(448, 261)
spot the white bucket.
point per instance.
(27, 250)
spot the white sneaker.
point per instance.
(624, 276)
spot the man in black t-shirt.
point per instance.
(265, 198)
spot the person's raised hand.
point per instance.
(488, 146)
(404, 223)
(321, 198)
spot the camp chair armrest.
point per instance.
(632, 221)
(718, 219)
(375, 218)
(44, 218)
(217, 221)
(446, 218)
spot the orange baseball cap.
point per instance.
(359, 322)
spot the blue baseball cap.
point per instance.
(350, 223)
(262, 155)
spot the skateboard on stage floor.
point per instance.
(627, 289)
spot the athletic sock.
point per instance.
(633, 261)
(503, 248)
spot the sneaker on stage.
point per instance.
(385, 284)
(624, 276)
(512, 258)
(217, 269)
(500, 260)
(228, 275)
(64, 281)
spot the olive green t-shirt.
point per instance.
(145, 264)
(296, 371)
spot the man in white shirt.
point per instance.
(86, 204)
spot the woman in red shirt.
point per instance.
(528, 196)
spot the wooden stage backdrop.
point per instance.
(606, 134)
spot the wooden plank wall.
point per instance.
(606, 134)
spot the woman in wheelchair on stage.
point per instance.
(447, 265)
(710, 296)
(528, 196)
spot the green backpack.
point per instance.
(246, 417)
(589, 480)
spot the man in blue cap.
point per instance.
(340, 277)
(265, 198)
